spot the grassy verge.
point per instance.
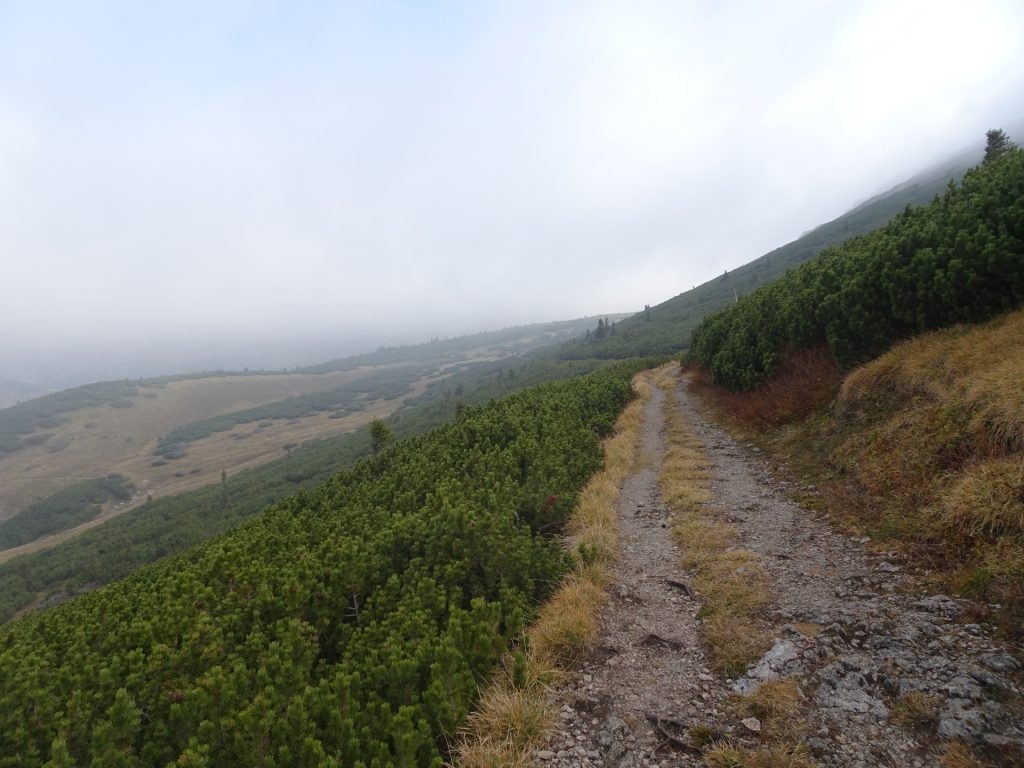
(514, 711)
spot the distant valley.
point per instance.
(175, 434)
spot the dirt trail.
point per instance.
(648, 660)
(850, 628)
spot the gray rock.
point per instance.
(781, 659)
(850, 698)
(959, 719)
(963, 688)
(818, 747)
(1000, 662)
(940, 605)
(844, 687)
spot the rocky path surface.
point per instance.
(855, 633)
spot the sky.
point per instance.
(265, 183)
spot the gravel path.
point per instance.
(851, 629)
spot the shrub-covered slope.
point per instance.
(349, 625)
(958, 259)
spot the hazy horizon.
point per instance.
(277, 185)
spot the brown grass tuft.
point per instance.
(489, 753)
(772, 701)
(958, 755)
(978, 368)
(736, 641)
(785, 755)
(804, 381)
(987, 499)
(510, 714)
(567, 623)
(777, 704)
(916, 710)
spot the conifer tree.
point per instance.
(380, 435)
(997, 144)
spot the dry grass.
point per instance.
(776, 701)
(959, 755)
(987, 499)
(485, 753)
(776, 704)
(933, 433)
(774, 756)
(977, 368)
(566, 624)
(732, 582)
(514, 712)
(916, 710)
(594, 528)
(705, 539)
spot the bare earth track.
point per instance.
(857, 635)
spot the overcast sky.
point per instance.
(229, 171)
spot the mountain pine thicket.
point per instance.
(350, 625)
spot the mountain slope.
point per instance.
(349, 625)
(958, 259)
(61, 566)
(14, 392)
(178, 433)
(667, 327)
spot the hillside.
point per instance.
(347, 625)
(178, 433)
(957, 259)
(356, 618)
(666, 329)
(14, 392)
(59, 566)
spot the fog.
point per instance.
(199, 185)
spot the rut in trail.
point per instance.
(856, 635)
